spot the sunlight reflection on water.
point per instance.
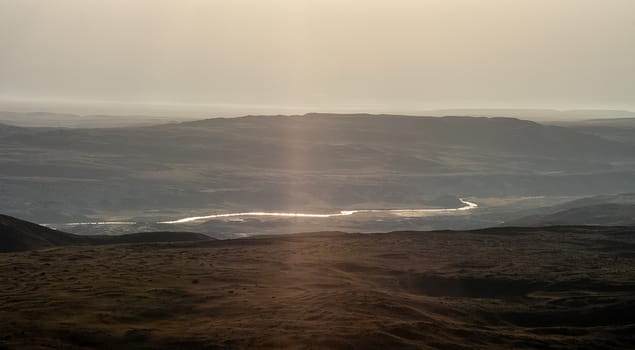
(399, 212)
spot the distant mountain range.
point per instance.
(327, 137)
(315, 162)
(67, 120)
(543, 115)
(135, 117)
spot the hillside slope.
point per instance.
(604, 210)
(19, 235)
(508, 288)
(16, 235)
(609, 214)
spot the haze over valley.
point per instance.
(317, 174)
(311, 164)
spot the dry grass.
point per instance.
(538, 289)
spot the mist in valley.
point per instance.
(298, 174)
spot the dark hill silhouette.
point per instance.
(16, 235)
(19, 235)
(608, 214)
(603, 210)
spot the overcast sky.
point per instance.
(323, 54)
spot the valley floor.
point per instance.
(551, 288)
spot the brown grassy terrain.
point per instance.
(554, 288)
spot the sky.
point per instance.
(321, 55)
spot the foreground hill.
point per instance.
(529, 288)
(18, 235)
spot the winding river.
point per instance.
(401, 212)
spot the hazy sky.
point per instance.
(325, 54)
